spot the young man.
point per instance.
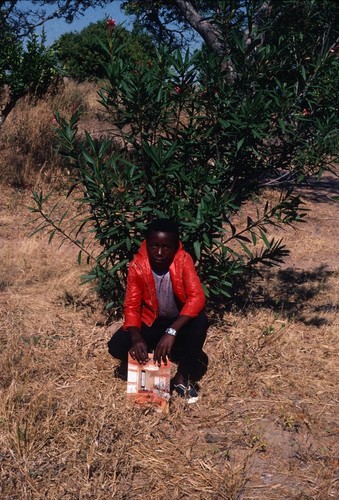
(164, 309)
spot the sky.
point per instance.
(56, 27)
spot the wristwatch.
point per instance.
(171, 331)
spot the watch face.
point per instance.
(171, 331)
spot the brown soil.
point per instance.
(265, 426)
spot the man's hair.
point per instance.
(164, 226)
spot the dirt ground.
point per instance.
(266, 424)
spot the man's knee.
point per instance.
(198, 326)
(119, 345)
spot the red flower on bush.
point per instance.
(111, 22)
(306, 112)
(180, 88)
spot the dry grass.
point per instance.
(28, 153)
(265, 426)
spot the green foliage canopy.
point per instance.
(82, 56)
(171, 21)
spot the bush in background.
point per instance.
(196, 146)
(24, 70)
(82, 57)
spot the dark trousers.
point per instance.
(186, 352)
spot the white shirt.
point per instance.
(167, 305)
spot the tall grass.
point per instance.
(28, 148)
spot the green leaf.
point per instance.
(264, 238)
(89, 159)
(150, 187)
(79, 257)
(51, 236)
(282, 124)
(246, 249)
(119, 266)
(38, 229)
(254, 237)
(240, 143)
(224, 123)
(197, 248)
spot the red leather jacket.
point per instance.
(141, 304)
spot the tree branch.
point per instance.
(206, 30)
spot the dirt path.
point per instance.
(266, 424)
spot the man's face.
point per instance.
(161, 248)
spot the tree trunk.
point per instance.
(6, 108)
(205, 29)
(208, 32)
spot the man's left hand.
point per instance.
(163, 349)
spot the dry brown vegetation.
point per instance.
(28, 148)
(265, 427)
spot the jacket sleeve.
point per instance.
(133, 299)
(195, 297)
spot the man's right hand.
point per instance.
(139, 349)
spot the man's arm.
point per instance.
(132, 313)
(133, 299)
(165, 344)
(195, 297)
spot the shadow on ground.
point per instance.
(296, 294)
(322, 190)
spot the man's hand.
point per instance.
(139, 349)
(163, 349)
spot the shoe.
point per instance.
(188, 392)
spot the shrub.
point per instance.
(195, 147)
(26, 70)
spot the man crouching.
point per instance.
(164, 309)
